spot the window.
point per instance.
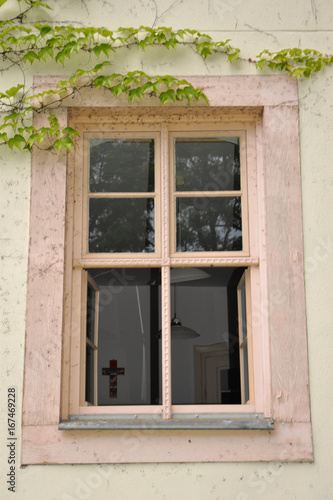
(165, 231)
(91, 300)
(109, 249)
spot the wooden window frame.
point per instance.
(132, 132)
(85, 340)
(270, 102)
(163, 129)
(246, 282)
(205, 130)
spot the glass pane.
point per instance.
(230, 386)
(243, 311)
(91, 310)
(208, 224)
(207, 164)
(121, 225)
(121, 165)
(245, 373)
(90, 370)
(204, 340)
(129, 363)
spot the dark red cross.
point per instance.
(113, 372)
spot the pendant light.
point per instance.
(180, 275)
(178, 331)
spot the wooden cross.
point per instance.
(113, 372)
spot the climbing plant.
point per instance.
(24, 43)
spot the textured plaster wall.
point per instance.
(252, 26)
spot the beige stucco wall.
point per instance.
(252, 26)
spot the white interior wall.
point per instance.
(253, 26)
(204, 309)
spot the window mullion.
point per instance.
(165, 288)
(166, 343)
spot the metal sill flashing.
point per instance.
(253, 421)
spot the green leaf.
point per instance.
(298, 72)
(201, 95)
(171, 43)
(103, 47)
(70, 131)
(40, 4)
(14, 90)
(3, 136)
(190, 92)
(205, 52)
(16, 141)
(117, 89)
(135, 93)
(142, 44)
(100, 66)
(97, 50)
(147, 86)
(166, 96)
(31, 38)
(60, 57)
(180, 93)
(204, 49)
(52, 42)
(161, 38)
(45, 52)
(106, 48)
(35, 137)
(260, 64)
(29, 130)
(64, 142)
(2, 2)
(45, 30)
(30, 56)
(233, 56)
(13, 117)
(99, 81)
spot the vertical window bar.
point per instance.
(166, 343)
(165, 288)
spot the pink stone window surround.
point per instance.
(270, 102)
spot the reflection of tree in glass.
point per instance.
(121, 165)
(209, 224)
(207, 165)
(121, 225)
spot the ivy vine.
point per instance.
(23, 44)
